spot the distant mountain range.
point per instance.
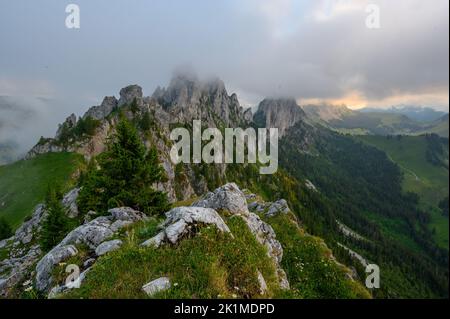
(404, 120)
(417, 113)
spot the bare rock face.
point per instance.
(279, 113)
(70, 202)
(129, 93)
(180, 220)
(102, 111)
(186, 99)
(48, 146)
(24, 234)
(248, 115)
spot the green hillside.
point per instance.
(216, 265)
(23, 184)
(429, 180)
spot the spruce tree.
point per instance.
(56, 224)
(123, 176)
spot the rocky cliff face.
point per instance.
(279, 113)
(187, 99)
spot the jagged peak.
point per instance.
(281, 113)
(129, 93)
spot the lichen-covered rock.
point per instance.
(108, 246)
(91, 234)
(228, 198)
(157, 285)
(45, 266)
(155, 241)
(25, 232)
(280, 206)
(231, 199)
(179, 222)
(15, 269)
(69, 202)
(126, 214)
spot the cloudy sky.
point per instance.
(317, 50)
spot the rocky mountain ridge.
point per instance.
(28, 268)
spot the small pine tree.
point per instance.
(146, 122)
(56, 224)
(5, 229)
(123, 176)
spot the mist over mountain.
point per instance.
(23, 120)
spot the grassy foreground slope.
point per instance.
(422, 177)
(23, 184)
(211, 264)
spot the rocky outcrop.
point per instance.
(45, 266)
(70, 202)
(69, 123)
(363, 261)
(129, 94)
(347, 231)
(231, 199)
(180, 222)
(280, 206)
(310, 185)
(44, 147)
(270, 209)
(101, 111)
(186, 98)
(228, 197)
(278, 113)
(14, 270)
(24, 234)
(92, 235)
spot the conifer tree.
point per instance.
(124, 175)
(56, 224)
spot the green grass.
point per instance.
(213, 265)
(23, 184)
(420, 176)
(209, 265)
(307, 261)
